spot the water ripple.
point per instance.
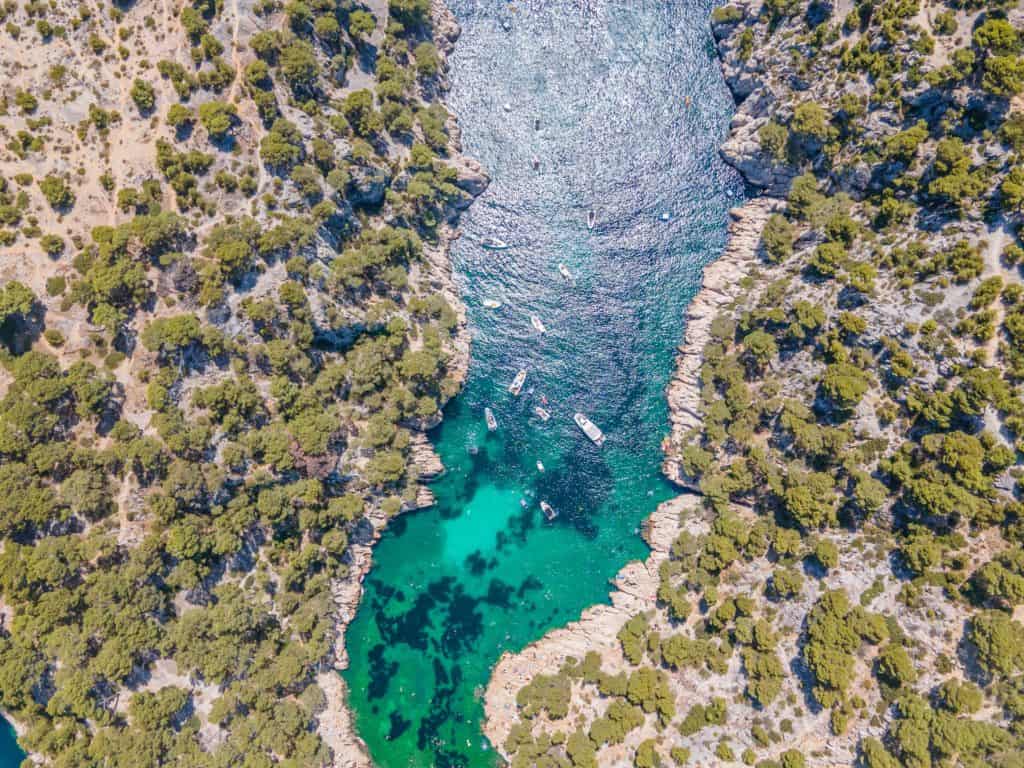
(456, 585)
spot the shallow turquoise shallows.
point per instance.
(483, 571)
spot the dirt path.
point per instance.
(999, 238)
(235, 58)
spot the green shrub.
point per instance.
(726, 14)
(56, 191)
(54, 337)
(143, 95)
(774, 139)
(217, 117)
(361, 24)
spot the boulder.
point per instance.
(854, 179)
(471, 179)
(366, 185)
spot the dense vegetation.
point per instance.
(208, 394)
(857, 564)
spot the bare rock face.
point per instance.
(721, 284)
(366, 186)
(446, 28)
(425, 457)
(742, 150)
(472, 178)
(855, 180)
(335, 724)
(722, 28)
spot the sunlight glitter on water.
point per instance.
(454, 586)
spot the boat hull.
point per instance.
(590, 429)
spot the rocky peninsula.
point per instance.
(841, 585)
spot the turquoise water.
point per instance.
(454, 586)
(479, 573)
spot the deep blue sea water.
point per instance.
(10, 753)
(482, 572)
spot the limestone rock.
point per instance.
(366, 186)
(471, 178)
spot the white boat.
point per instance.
(666, 216)
(492, 423)
(542, 413)
(517, 383)
(548, 510)
(591, 218)
(492, 303)
(537, 324)
(495, 244)
(564, 272)
(589, 428)
(540, 465)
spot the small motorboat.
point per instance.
(517, 383)
(540, 465)
(589, 428)
(542, 414)
(507, 107)
(666, 216)
(536, 124)
(492, 423)
(523, 503)
(544, 399)
(537, 324)
(548, 510)
(492, 303)
(564, 272)
(591, 218)
(536, 163)
(494, 244)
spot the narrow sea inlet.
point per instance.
(573, 106)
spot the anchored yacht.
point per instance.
(542, 413)
(564, 272)
(589, 428)
(548, 510)
(537, 324)
(517, 383)
(492, 423)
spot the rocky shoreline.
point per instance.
(804, 402)
(721, 284)
(636, 585)
(336, 723)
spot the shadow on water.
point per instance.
(482, 571)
